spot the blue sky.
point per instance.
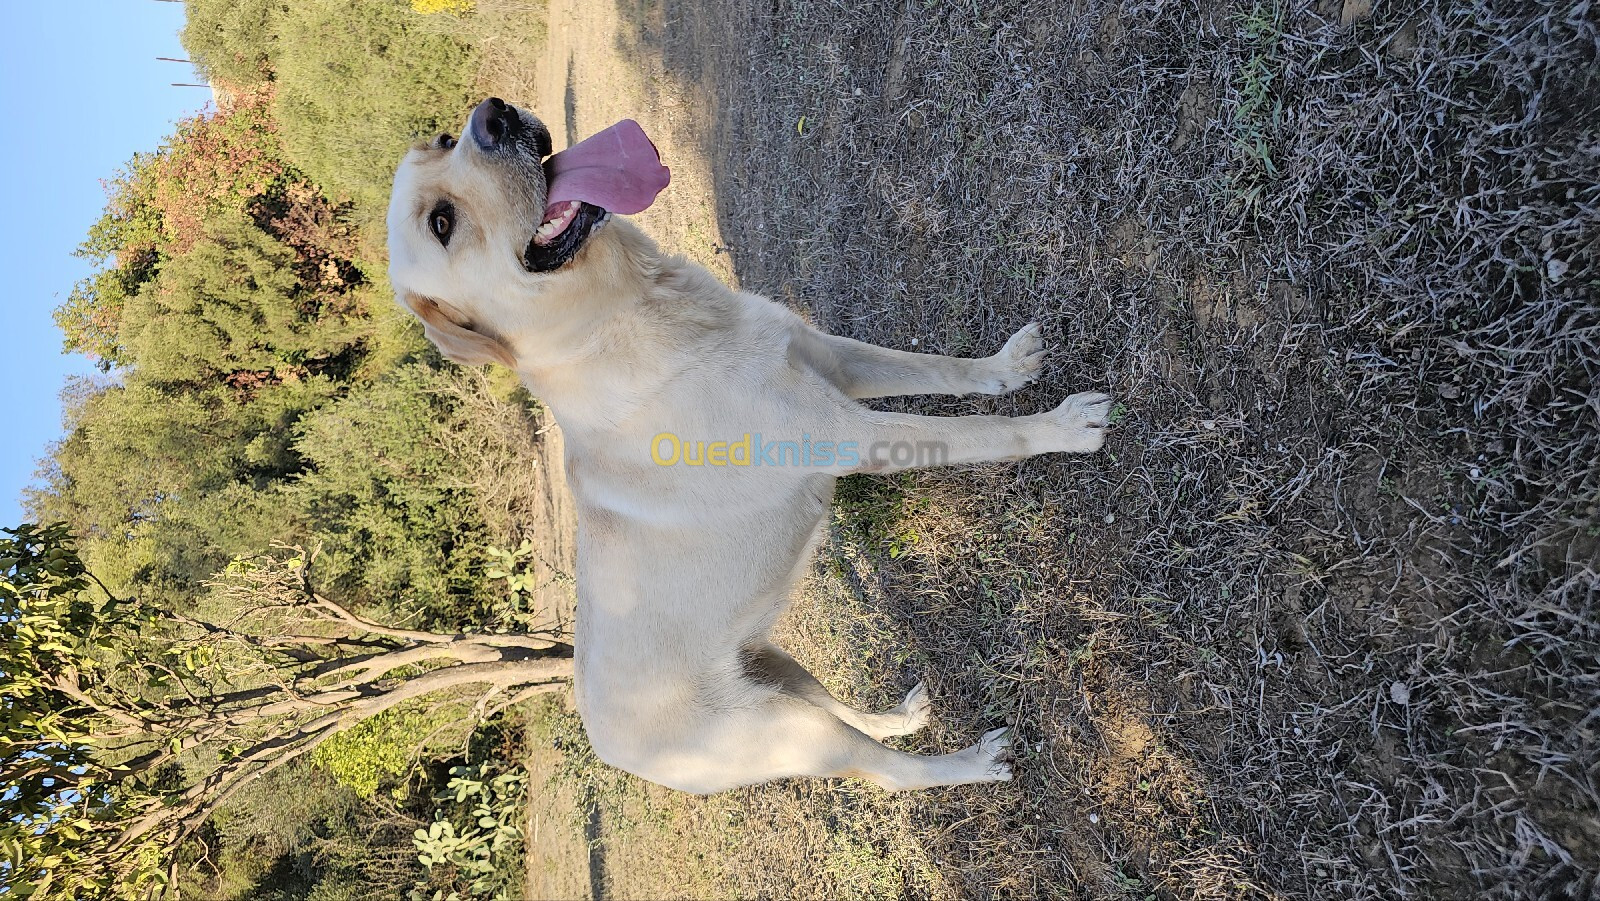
(80, 92)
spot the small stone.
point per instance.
(1555, 269)
(1400, 693)
(1094, 818)
(1354, 11)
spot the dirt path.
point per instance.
(584, 84)
(560, 865)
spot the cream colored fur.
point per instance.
(683, 570)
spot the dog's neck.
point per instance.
(625, 302)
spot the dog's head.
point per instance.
(480, 224)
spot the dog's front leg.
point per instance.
(873, 441)
(863, 370)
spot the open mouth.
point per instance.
(567, 226)
(556, 220)
(614, 170)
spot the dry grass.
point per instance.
(1321, 622)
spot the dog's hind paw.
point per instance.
(1017, 364)
(916, 709)
(994, 754)
(909, 717)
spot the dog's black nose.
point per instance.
(492, 123)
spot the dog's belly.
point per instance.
(664, 609)
(687, 591)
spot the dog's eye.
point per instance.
(441, 220)
(446, 142)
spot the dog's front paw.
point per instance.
(1017, 364)
(1083, 419)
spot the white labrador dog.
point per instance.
(673, 391)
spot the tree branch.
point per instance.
(347, 708)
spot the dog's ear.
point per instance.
(458, 341)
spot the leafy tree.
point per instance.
(232, 305)
(354, 81)
(127, 725)
(217, 171)
(232, 309)
(216, 162)
(125, 243)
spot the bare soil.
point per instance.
(1321, 620)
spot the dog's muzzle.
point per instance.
(494, 124)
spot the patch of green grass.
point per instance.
(1258, 109)
(872, 874)
(873, 510)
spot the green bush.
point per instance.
(377, 750)
(474, 845)
(357, 82)
(397, 519)
(231, 40)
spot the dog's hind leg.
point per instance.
(863, 370)
(786, 737)
(768, 664)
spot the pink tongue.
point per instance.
(617, 169)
